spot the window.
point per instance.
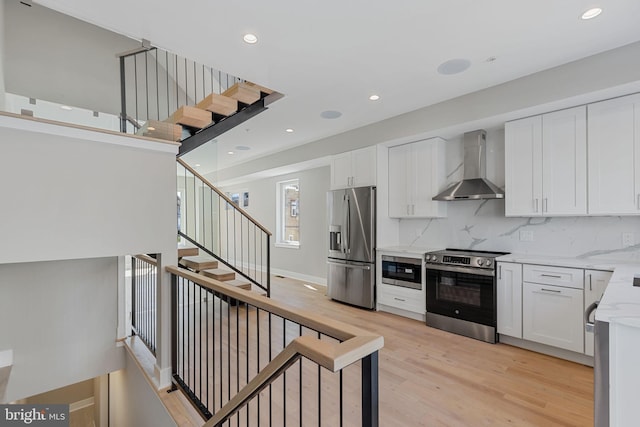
(288, 213)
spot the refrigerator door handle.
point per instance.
(348, 247)
(347, 265)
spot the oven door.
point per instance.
(462, 293)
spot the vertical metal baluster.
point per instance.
(341, 399)
(134, 311)
(241, 249)
(238, 357)
(270, 387)
(247, 347)
(211, 73)
(228, 348)
(221, 381)
(176, 78)
(204, 93)
(200, 339)
(300, 380)
(258, 354)
(166, 68)
(146, 81)
(284, 375)
(185, 212)
(195, 211)
(186, 85)
(206, 343)
(320, 391)
(213, 351)
(174, 325)
(195, 84)
(182, 352)
(157, 89)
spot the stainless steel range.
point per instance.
(461, 292)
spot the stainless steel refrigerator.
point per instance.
(351, 274)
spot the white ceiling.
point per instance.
(334, 54)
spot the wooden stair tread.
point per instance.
(219, 274)
(161, 130)
(198, 262)
(184, 251)
(191, 116)
(239, 283)
(260, 88)
(219, 104)
(243, 92)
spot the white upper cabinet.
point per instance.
(416, 174)
(546, 164)
(614, 156)
(354, 168)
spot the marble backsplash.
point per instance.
(481, 224)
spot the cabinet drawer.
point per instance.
(557, 276)
(403, 298)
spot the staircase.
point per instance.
(208, 267)
(169, 97)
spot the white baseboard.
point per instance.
(299, 276)
(400, 312)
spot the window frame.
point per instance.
(282, 210)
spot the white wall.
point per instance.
(482, 224)
(132, 401)
(309, 261)
(60, 319)
(73, 197)
(2, 26)
(43, 46)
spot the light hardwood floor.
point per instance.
(433, 378)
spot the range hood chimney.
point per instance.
(474, 184)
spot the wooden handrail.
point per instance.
(147, 259)
(327, 326)
(224, 197)
(356, 343)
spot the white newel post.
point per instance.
(162, 373)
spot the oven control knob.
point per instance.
(488, 263)
(428, 257)
(480, 261)
(434, 258)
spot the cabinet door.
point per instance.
(523, 167)
(553, 315)
(595, 283)
(428, 161)
(341, 171)
(509, 298)
(614, 156)
(399, 181)
(564, 162)
(363, 167)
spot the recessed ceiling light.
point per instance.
(230, 152)
(374, 97)
(490, 59)
(250, 38)
(591, 13)
(289, 130)
(66, 107)
(454, 66)
(242, 148)
(197, 165)
(330, 114)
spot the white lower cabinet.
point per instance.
(595, 283)
(509, 299)
(553, 315)
(403, 298)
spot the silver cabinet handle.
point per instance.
(590, 326)
(536, 205)
(590, 287)
(545, 205)
(551, 290)
(551, 275)
(638, 200)
(399, 299)
(408, 212)
(413, 209)
(500, 272)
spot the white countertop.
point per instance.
(408, 250)
(621, 300)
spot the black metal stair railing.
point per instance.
(210, 220)
(224, 340)
(144, 274)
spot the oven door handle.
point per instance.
(466, 270)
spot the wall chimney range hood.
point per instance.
(474, 184)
